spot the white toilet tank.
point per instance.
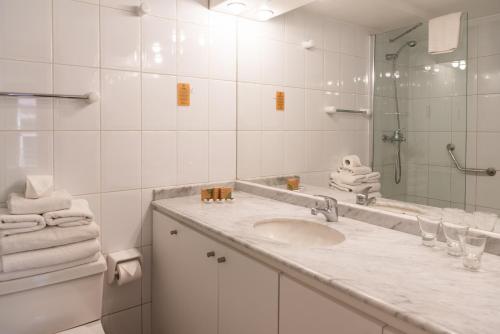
(52, 302)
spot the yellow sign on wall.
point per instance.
(183, 94)
(280, 101)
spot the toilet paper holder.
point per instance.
(116, 258)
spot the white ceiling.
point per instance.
(384, 15)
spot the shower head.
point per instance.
(394, 56)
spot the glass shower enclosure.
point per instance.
(419, 107)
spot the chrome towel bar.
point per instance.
(352, 111)
(90, 97)
(489, 171)
(332, 110)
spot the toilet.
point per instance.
(67, 301)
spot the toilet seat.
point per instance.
(91, 328)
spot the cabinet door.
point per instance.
(184, 280)
(303, 310)
(248, 296)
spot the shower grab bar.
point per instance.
(489, 171)
(90, 97)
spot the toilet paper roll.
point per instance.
(128, 272)
(351, 161)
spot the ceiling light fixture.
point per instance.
(236, 7)
(264, 14)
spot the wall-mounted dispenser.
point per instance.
(124, 266)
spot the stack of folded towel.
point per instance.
(352, 176)
(44, 230)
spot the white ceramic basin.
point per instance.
(298, 232)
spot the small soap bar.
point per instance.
(206, 194)
(226, 193)
(216, 194)
(293, 183)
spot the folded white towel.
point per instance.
(346, 178)
(362, 170)
(51, 236)
(49, 257)
(375, 187)
(78, 214)
(19, 205)
(353, 180)
(350, 161)
(14, 224)
(39, 186)
(32, 272)
(444, 33)
(373, 177)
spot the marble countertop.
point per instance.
(386, 269)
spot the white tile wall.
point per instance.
(76, 33)
(303, 139)
(116, 151)
(26, 32)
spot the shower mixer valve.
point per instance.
(397, 137)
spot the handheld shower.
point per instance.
(397, 136)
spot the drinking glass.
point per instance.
(473, 248)
(453, 233)
(454, 216)
(485, 221)
(429, 227)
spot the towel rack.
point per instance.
(333, 110)
(489, 171)
(89, 97)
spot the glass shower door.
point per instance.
(420, 106)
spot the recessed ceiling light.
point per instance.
(236, 7)
(264, 14)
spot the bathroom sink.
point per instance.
(299, 232)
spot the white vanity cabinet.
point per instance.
(303, 310)
(184, 280)
(203, 287)
(248, 296)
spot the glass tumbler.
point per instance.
(429, 227)
(473, 248)
(455, 216)
(454, 233)
(485, 221)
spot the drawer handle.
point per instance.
(211, 254)
(173, 232)
(221, 259)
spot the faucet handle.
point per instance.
(330, 201)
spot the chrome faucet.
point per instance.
(331, 210)
(363, 197)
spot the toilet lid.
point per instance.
(91, 328)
